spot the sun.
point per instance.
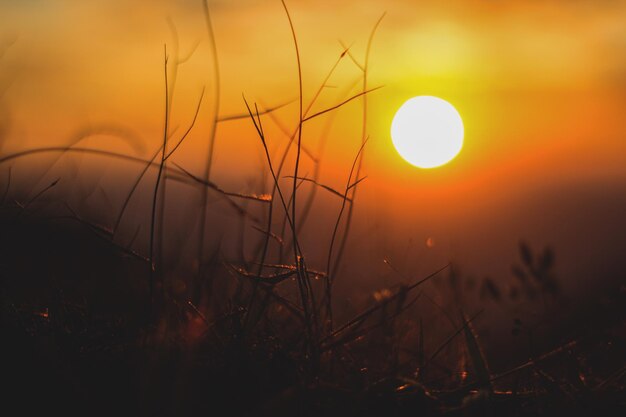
(427, 131)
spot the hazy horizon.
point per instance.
(544, 149)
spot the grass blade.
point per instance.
(476, 355)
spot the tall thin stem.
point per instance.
(300, 120)
(306, 293)
(158, 181)
(365, 69)
(212, 133)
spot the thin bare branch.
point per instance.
(193, 122)
(356, 334)
(272, 235)
(364, 137)
(343, 206)
(262, 112)
(272, 279)
(40, 193)
(326, 187)
(335, 107)
(449, 339)
(264, 198)
(212, 135)
(130, 194)
(158, 181)
(293, 268)
(303, 279)
(402, 292)
(355, 183)
(351, 56)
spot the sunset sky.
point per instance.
(540, 85)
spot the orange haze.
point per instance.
(540, 86)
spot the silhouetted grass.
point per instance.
(78, 339)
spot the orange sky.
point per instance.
(524, 75)
(539, 84)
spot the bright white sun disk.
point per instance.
(427, 131)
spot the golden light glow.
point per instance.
(535, 83)
(427, 131)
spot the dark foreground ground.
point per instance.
(77, 340)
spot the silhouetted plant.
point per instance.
(535, 274)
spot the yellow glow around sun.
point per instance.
(427, 131)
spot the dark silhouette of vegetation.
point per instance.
(93, 326)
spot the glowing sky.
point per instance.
(527, 76)
(541, 87)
